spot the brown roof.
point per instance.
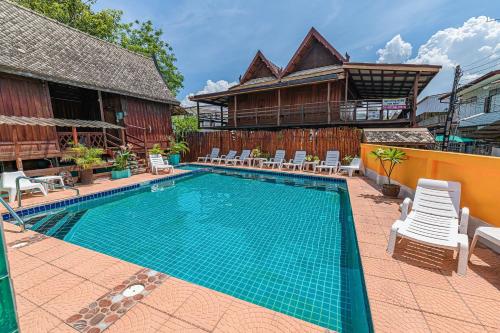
(33, 45)
(398, 136)
(473, 82)
(259, 58)
(34, 121)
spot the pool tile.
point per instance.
(72, 300)
(51, 288)
(35, 277)
(383, 268)
(242, 316)
(204, 308)
(484, 283)
(93, 266)
(389, 318)
(74, 258)
(140, 319)
(63, 328)
(38, 320)
(115, 274)
(390, 291)
(174, 325)
(24, 306)
(443, 324)
(18, 267)
(425, 276)
(373, 251)
(56, 252)
(486, 310)
(441, 302)
(170, 295)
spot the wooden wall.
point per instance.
(26, 97)
(315, 141)
(155, 117)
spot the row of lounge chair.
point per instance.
(331, 163)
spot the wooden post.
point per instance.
(75, 136)
(198, 112)
(328, 102)
(414, 106)
(221, 116)
(346, 91)
(279, 107)
(145, 142)
(235, 110)
(101, 109)
(17, 149)
(124, 136)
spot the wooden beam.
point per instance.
(328, 93)
(414, 106)
(279, 107)
(235, 109)
(198, 113)
(75, 136)
(17, 149)
(101, 109)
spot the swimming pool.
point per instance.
(282, 242)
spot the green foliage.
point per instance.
(177, 147)
(311, 158)
(84, 157)
(391, 156)
(141, 37)
(183, 125)
(347, 159)
(156, 150)
(124, 159)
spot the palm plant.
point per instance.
(177, 147)
(156, 150)
(84, 157)
(124, 158)
(390, 156)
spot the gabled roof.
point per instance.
(312, 39)
(259, 68)
(35, 46)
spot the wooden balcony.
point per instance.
(337, 113)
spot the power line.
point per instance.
(486, 63)
(479, 60)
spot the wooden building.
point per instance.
(58, 85)
(319, 87)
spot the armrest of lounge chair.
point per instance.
(405, 208)
(464, 220)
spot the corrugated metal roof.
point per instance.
(481, 119)
(32, 121)
(35, 46)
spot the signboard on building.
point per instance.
(394, 103)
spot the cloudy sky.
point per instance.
(215, 40)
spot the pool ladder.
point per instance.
(19, 220)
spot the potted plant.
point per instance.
(312, 158)
(347, 160)
(124, 159)
(86, 158)
(175, 148)
(156, 150)
(389, 158)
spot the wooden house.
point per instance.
(319, 87)
(58, 85)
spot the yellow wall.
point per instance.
(479, 176)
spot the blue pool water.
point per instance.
(284, 243)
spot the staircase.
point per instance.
(56, 224)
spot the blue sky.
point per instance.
(216, 39)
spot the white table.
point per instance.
(50, 181)
(310, 164)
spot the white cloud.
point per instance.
(395, 51)
(478, 38)
(210, 87)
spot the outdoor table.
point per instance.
(310, 164)
(49, 182)
(258, 160)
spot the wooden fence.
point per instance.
(314, 141)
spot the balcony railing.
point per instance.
(320, 113)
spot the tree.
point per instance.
(184, 125)
(141, 37)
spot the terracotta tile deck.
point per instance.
(417, 290)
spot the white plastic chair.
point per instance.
(8, 184)
(224, 158)
(157, 163)
(277, 160)
(331, 162)
(355, 165)
(245, 155)
(491, 234)
(435, 219)
(213, 154)
(297, 161)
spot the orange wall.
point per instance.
(479, 176)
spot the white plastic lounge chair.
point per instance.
(157, 163)
(213, 154)
(435, 219)
(355, 165)
(491, 234)
(277, 160)
(331, 162)
(297, 161)
(8, 184)
(244, 157)
(224, 158)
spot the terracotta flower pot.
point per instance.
(86, 177)
(391, 190)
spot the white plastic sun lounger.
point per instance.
(224, 158)
(277, 160)
(8, 184)
(331, 163)
(213, 154)
(435, 219)
(355, 165)
(245, 155)
(491, 234)
(297, 161)
(157, 163)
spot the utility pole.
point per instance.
(451, 109)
